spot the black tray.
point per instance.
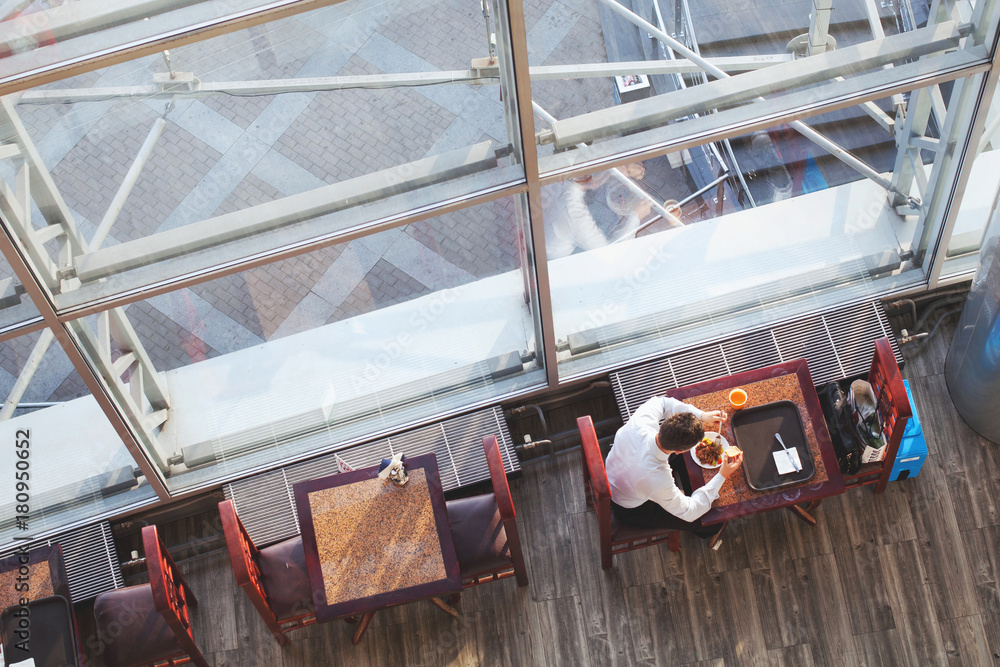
(754, 429)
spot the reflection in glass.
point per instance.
(979, 200)
(686, 247)
(609, 76)
(77, 466)
(305, 354)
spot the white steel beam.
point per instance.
(647, 113)
(732, 64)
(127, 184)
(263, 217)
(819, 26)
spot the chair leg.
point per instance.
(445, 607)
(715, 539)
(674, 541)
(454, 598)
(362, 626)
(802, 514)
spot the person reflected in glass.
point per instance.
(646, 457)
(591, 211)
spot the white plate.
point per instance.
(709, 434)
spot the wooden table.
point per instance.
(46, 576)
(48, 590)
(370, 544)
(786, 381)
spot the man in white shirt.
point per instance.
(639, 467)
(570, 224)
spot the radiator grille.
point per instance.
(837, 344)
(90, 558)
(265, 503)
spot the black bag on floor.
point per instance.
(837, 412)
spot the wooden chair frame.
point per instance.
(597, 492)
(245, 558)
(505, 503)
(172, 597)
(894, 410)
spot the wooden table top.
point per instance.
(786, 381)
(370, 544)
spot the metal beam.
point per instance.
(55, 62)
(748, 87)
(145, 151)
(295, 208)
(27, 372)
(751, 85)
(762, 115)
(819, 26)
(475, 76)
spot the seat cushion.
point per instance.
(285, 579)
(621, 532)
(131, 630)
(479, 535)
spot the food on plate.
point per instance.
(709, 451)
(732, 452)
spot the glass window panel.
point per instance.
(77, 466)
(271, 136)
(43, 36)
(16, 307)
(768, 225)
(310, 353)
(978, 200)
(602, 80)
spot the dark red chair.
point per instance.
(894, 412)
(615, 538)
(149, 624)
(274, 578)
(484, 529)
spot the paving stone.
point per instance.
(169, 344)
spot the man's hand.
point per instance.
(713, 420)
(730, 465)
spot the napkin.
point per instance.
(783, 460)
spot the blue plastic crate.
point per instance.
(913, 448)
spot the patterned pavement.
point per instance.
(221, 154)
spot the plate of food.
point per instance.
(708, 452)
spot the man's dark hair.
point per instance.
(681, 431)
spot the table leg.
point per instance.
(813, 505)
(802, 514)
(362, 626)
(438, 602)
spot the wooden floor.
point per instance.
(906, 578)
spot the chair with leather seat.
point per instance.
(274, 578)
(615, 537)
(150, 623)
(484, 529)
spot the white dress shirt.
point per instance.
(638, 470)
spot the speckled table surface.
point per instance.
(46, 575)
(786, 381)
(384, 535)
(783, 388)
(370, 544)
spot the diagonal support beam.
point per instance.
(646, 113)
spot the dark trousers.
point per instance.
(651, 515)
